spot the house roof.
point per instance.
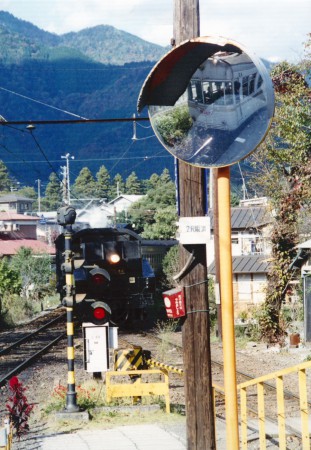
(9, 216)
(246, 264)
(10, 247)
(247, 217)
(131, 198)
(15, 198)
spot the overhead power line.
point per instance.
(66, 122)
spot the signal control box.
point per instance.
(97, 340)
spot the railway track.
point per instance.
(15, 356)
(24, 345)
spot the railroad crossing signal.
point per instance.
(96, 312)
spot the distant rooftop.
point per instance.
(8, 216)
(247, 264)
(243, 217)
(15, 198)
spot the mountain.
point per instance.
(96, 73)
(108, 45)
(21, 40)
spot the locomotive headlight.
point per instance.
(132, 280)
(114, 258)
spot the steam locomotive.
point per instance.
(114, 272)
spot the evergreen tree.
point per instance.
(164, 225)
(103, 183)
(165, 176)
(144, 213)
(5, 182)
(53, 194)
(133, 185)
(85, 185)
(152, 182)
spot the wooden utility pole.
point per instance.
(196, 328)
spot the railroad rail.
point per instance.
(20, 354)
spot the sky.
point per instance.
(272, 29)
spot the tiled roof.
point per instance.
(5, 215)
(247, 217)
(11, 246)
(15, 198)
(247, 264)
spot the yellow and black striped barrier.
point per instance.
(131, 359)
(153, 363)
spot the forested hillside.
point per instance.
(46, 77)
(96, 73)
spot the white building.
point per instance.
(123, 202)
(250, 230)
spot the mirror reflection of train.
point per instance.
(225, 91)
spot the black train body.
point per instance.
(118, 252)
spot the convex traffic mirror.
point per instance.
(210, 102)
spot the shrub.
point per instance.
(18, 407)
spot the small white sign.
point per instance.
(194, 230)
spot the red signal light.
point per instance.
(99, 279)
(99, 276)
(99, 313)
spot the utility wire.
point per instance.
(72, 121)
(42, 103)
(21, 160)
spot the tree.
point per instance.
(144, 212)
(132, 184)
(10, 280)
(153, 181)
(103, 183)
(27, 191)
(283, 165)
(35, 271)
(5, 182)
(53, 193)
(165, 176)
(164, 225)
(85, 185)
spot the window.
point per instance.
(245, 86)
(195, 91)
(217, 92)
(235, 238)
(252, 83)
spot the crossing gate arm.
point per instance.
(153, 363)
(140, 387)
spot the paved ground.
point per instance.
(135, 437)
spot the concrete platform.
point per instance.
(136, 437)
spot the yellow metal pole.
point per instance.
(227, 312)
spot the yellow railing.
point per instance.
(259, 384)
